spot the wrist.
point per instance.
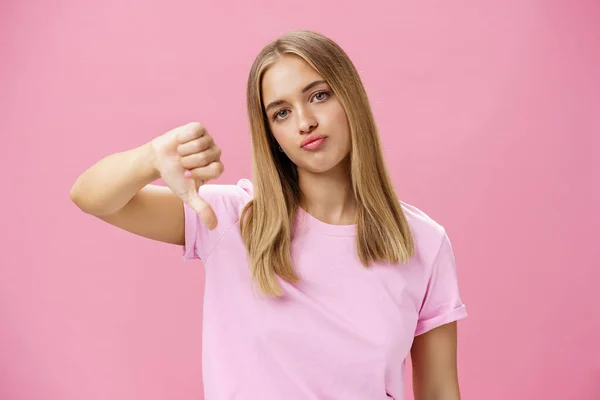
(146, 162)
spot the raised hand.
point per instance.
(187, 157)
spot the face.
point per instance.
(305, 116)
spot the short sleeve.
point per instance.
(227, 202)
(442, 303)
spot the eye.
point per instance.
(320, 96)
(279, 115)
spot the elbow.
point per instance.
(78, 198)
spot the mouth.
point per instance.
(313, 142)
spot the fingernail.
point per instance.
(188, 174)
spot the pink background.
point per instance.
(489, 114)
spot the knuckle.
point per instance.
(201, 129)
(201, 159)
(197, 128)
(195, 125)
(197, 146)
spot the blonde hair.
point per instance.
(267, 221)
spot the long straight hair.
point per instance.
(267, 221)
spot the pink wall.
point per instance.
(490, 118)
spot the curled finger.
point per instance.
(211, 171)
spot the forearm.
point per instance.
(112, 182)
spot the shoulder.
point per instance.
(227, 198)
(428, 234)
(227, 201)
(242, 190)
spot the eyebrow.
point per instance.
(306, 89)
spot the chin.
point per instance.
(320, 167)
(317, 171)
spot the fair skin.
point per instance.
(305, 104)
(119, 190)
(326, 192)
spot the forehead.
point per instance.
(287, 77)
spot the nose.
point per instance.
(306, 121)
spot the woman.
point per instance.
(319, 281)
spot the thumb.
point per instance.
(203, 209)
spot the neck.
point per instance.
(328, 196)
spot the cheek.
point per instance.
(280, 133)
(341, 119)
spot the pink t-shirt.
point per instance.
(343, 332)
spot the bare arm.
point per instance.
(433, 355)
(118, 190)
